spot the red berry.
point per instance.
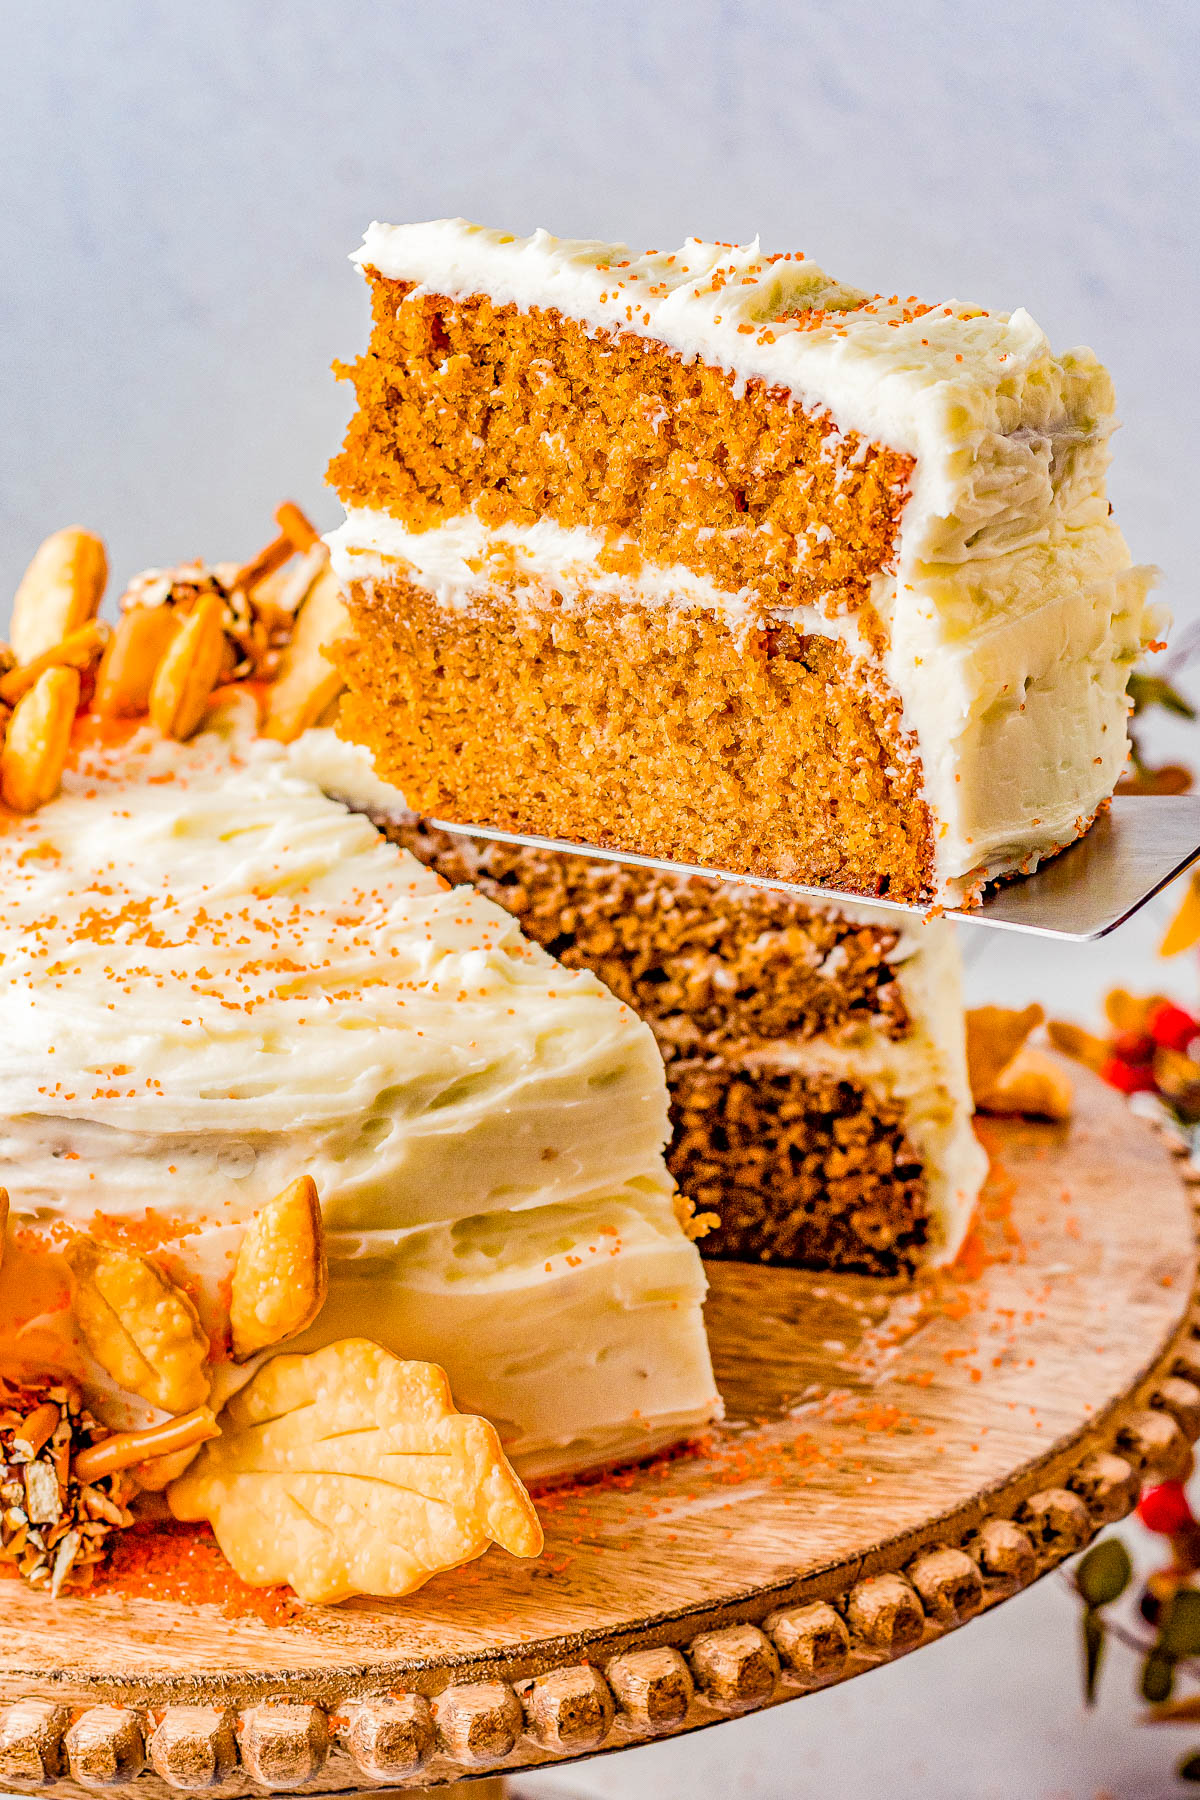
(1133, 1047)
(1171, 1027)
(1130, 1078)
(1165, 1509)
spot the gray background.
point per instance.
(181, 184)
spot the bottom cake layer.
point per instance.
(799, 1168)
(665, 729)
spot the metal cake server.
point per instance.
(1130, 854)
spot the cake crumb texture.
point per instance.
(662, 731)
(707, 965)
(802, 1169)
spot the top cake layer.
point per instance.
(1009, 438)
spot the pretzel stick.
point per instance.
(124, 1448)
(38, 1428)
(295, 527)
(271, 557)
(76, 651)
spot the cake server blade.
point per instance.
(1130, 854)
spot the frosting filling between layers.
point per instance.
(217, 978)
(1010, 670)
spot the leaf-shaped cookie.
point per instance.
(349, 1471)
(138, 1325)
(994, 1035)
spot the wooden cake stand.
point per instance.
(894, 1460)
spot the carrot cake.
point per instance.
(268, 1081)
(707, 556)
(814, 1050)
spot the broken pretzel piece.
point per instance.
(281, 1275)
(130, 662)
(296, 526)
(38, 739)
(78, 650)
(59, 591)
(189, 671)
(350, 1472)
(308, 683)
(140, 1327)
(125, 1449)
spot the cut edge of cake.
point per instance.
(841, 1141)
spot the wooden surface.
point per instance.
(866, 1423)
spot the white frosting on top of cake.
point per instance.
(223, 978)
(216, 978)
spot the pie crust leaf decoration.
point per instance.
(994, 1036)
(281, 1275)
(139, 1326)
(348, 1471)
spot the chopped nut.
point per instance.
(281, 1276)
(38, 738)
(189, 671)
(139, 1326)
(59, 591)
(128, 667)
(308, 682)
(43, 1496)
(350, 1472)
(53, 1528)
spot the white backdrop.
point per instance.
(181, 184)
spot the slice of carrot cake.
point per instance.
(708, 556)
(814, 1050)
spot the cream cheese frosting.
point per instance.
(216, 978)
(1013, 610)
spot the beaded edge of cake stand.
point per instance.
(653, 1683)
